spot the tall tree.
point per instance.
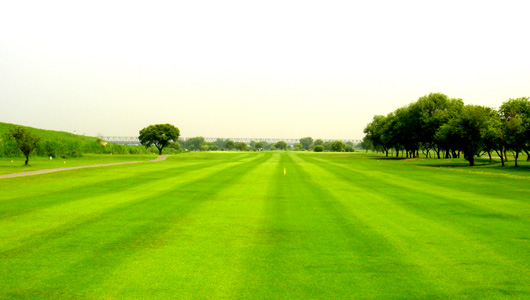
(241, 146)
(158, 135)
(338, 146)
(469, 130)
(515, 117)
(282, 145)
(24, 140)
(318, 142)
(306, 142)
(195, 143)
(229, 144)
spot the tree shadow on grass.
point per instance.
(387, 158)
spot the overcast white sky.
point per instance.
(284, 69)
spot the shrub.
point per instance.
(319, 148)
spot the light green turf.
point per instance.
(233, 226)
(16, 165)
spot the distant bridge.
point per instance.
(130, 140)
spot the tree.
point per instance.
(306, 142)
(229, 144)
(282, 145)
(241, 146)
(299, 147)
(338, 146)
(220, 143)
(319, 148)
(195, 143)
(515, 116)
(258, 146)
(158, 135)
(24, 140)
(318, 142)
(468, 130)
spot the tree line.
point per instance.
(437, 125)
(305, 144)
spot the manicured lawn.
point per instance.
(234, 226)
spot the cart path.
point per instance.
(159, 158)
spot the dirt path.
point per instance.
(159, 158)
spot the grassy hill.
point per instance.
(64, 144)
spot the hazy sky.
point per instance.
(285, 69)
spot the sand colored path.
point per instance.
(159, 158)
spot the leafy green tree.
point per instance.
(366, 144)
(158, 135)
(241, 146)
(214, 147)
(338, 146)
(515, 117)
(493, 137)
(327, 146)
(258, 145)
(282, 145)
(319, 148)
(299, 147)
(175, 145)
(229, 144)
(469, 130)
(306, 142)
(220, 143)
(24, 140)
(318, 142)
(195, 143)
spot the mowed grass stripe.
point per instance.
(358, 260)
(24, 218)
(493, 194)
(90, 249)
(461, 263)
(493, 231)
(205, 255)
(72, 209)
(64, 182)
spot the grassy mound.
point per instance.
(64, 144)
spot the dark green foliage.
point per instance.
(319, 148)
(338, 146)
(241, 146)
(194, 143)
(258, 145)
(515, 116)
(447, 127)
(23, 139)
(306, 142)
(229, 144)
(159, 135)
(468, 130)
(281, 145)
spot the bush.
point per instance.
(319, 148)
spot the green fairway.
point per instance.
(16, 165)
(268, 225)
